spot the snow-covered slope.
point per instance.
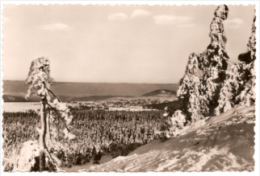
(224, 142)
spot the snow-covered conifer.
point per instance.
(239, 84)
(198, 93)
(39, 82)
(213, 61)
(189, 89)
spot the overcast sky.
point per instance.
(137, 44)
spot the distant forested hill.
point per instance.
(160, 93)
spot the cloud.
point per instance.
(118, 17)
(234, 23)
(172, 20)
(140, 13)
(55, 27)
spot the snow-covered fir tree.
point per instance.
(189, 89)
(239, 84)
(213, 61)
(198, 94)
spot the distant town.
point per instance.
(119, 104)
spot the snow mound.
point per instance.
(25, 159)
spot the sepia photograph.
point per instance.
(129, 87)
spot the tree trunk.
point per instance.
(42, 142)
(48, 132)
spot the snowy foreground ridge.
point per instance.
(224, 142)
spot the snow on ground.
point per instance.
(23, 160)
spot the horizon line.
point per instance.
(94, 82)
